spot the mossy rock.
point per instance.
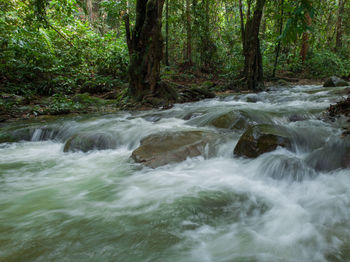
(230, 120)
(35, 133)
(166, 148)
(261, 139)
(335, 82)
(21, 134)
(90, 141)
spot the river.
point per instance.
(102, 206)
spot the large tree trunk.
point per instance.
(305, 40)
(339, 36)
(253, 69)
(145, 45)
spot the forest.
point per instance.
(137, 53)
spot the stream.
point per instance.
(102, 206)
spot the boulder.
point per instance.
(233, 120)
(335, 81)
(90, 141)
(16, 135)
(165, 148)
(332, 156)
(252, 98)
(261, 139)
(230, 120)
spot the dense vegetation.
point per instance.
(65, 47)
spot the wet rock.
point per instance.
(296, 118)
(261, 139)
(29, 134)
(335, 81)
(165, 148)
(340, 108)
(332, 156)
(152, 118)
(90, 141)
(44, 133)
(283, 167)
(252, 98)
(230, 120)
(21, 134)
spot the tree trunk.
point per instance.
(167, 33)
(189, 33)
(278, 47)
(253, 70)
(339, 36)
(242, 21)
(305, 40)
(145, 46)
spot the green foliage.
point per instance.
(297, 23)
(324, 63)
(53, 47)
(58, 55)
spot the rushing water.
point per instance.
(101, 206)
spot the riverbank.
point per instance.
(14, 107)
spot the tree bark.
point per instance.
(145, 46)
(339, 35)
(242, 21)
(305, 40)
(167, 33)
(253, 69)
(278, 47)
(189, 33)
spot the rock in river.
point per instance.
(165, 148)
(261, 139)
(335, 81)
(331, 156)
(89, 141)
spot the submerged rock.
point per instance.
(165, 148)
(86, 142)
(29, 134)
(234, 120)
(335, 81)
(284, 167)
(261, 139)
(21, 134)
(331, 157)
(230, 120)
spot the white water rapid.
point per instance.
(102, 206)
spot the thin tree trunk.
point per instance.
(339, 36)
(167, 33)
(145, 46)
(189, 33)
(242, 21)
(305, 40)
(253, 70)
(278, 47)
